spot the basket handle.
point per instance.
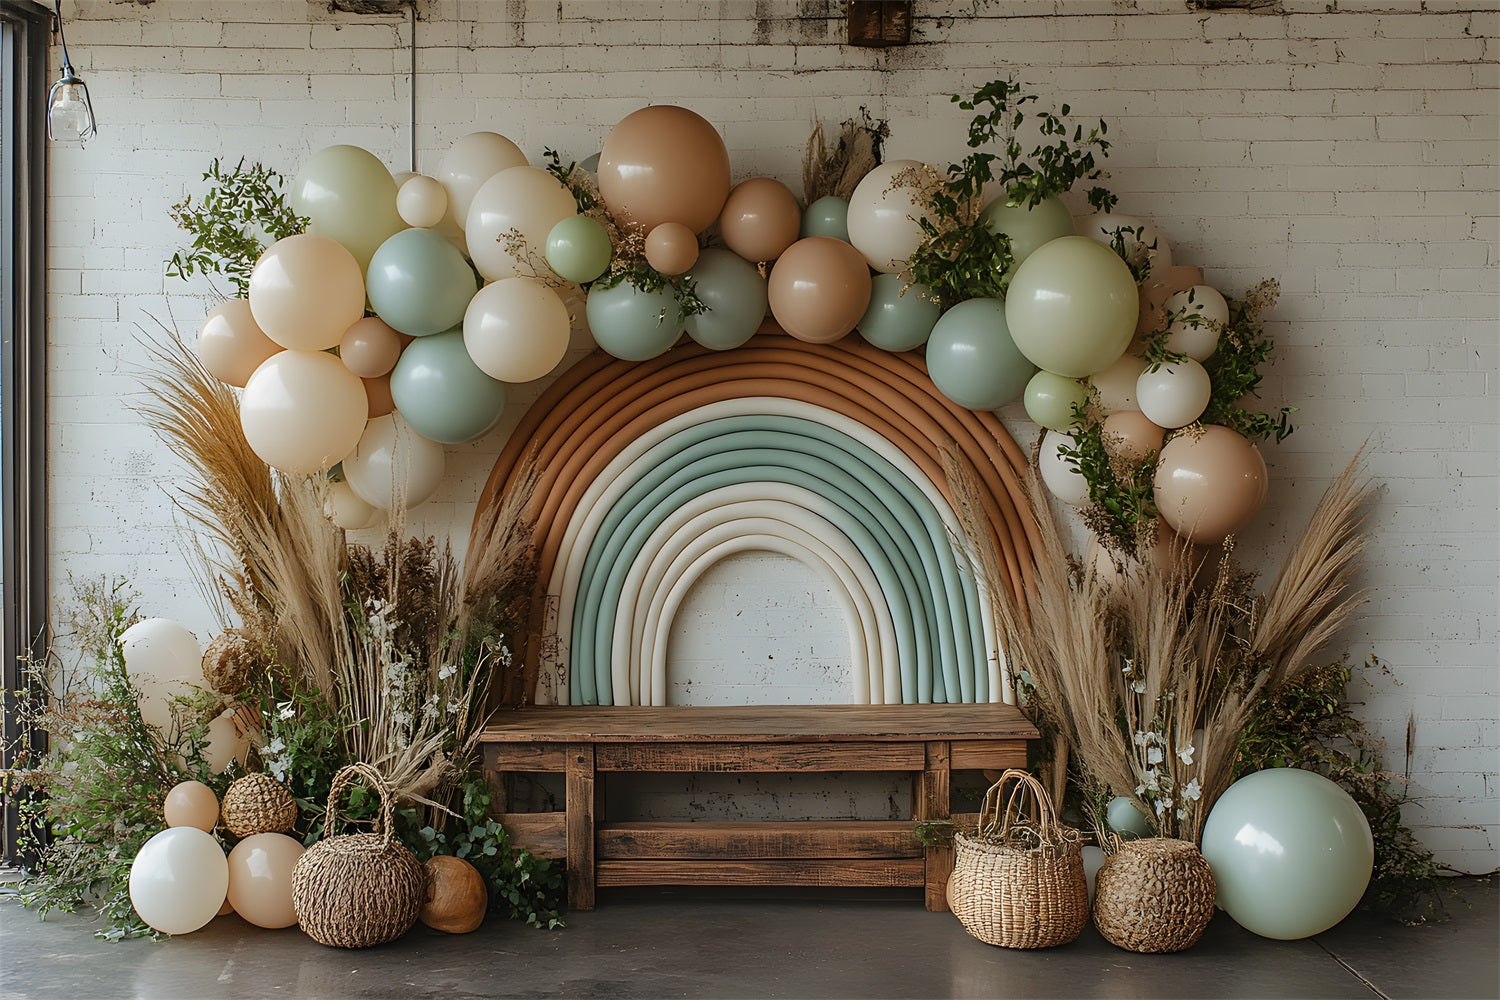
(1027, 799)
(385, 823)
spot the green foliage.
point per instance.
(1121, 491)
(648, 279)
(243, 211)
(303, 749)
(521, 884)
(1308, 724)
(573, 177)
(1234, 369)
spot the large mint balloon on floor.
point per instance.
(419, 283)
(1291, 852)
(1028, 228)
(973, 360)
(441, 391)
(1072, 307)
(631, 324)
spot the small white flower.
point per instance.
(277, 747)
(1153, 755)
(1142, 739)
(1162, 805)
(278, 769)
(1182, 814)
(1185, 754)
(446, 671)
(1192, 790)
(287, 711)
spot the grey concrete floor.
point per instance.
(680, 943)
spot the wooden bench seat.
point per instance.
(584, 744)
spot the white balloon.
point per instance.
(1116, 384)
(422, 201)
(162, 657)
(1194, 318)
(1174, 395)
(522, 201)
(179, 879)
(470, 162)
(347, 509)
(303, 411)
(224, 743)
(883, 218)
(1061, 477)
(393, 462)
(1141, 239)
(516, 329)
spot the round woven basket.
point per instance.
(362, 889)
(1154, 895)
(257, 803)
(1018, 881)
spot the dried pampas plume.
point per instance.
(838, 171)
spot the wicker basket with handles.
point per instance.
(1018, 881)
(361, 889)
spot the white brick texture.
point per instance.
(1348, 148)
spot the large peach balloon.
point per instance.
(303, 411)
(471, 161)
(231, 345)
(305, 291)
(370, 348)
(761, 219)
(510, 218)
(191, 803)
(1210, 484)
(819, 289)
(1131, 434)
(664, 164)
(260, 879)
(1072, 306)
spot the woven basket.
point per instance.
(1018, 882)
(362, 889)
(1154, 895)
(257, 803)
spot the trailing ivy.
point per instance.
(243, 211)
(1122, 508)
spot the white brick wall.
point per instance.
(1348, 148)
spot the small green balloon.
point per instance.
(1028, 228)
(1125, 818)
(828, 216)
(441, 391)
(972, 359)
(735, 295)
(631, 324)
(419, 283)
(578, 248)
(900, 316)
(1050, 399)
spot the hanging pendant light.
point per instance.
(70, 113)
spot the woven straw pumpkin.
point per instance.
(361, 889)
(257, 803)
(1154, 895)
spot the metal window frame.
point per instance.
(23, 388)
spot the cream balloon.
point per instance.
(1174, 394)
(422, 201)
(516, 329)
(260, 879)
(509, 221)
(303, 411)
(191, 803)
(471, 161)
(162, 658)
(1115, 386)
(1137, 237)
(305, 291)
(1061, 477)
(393, 463)
(1194, 318)
(225, 743)
(230, 343)
(179, 879)
(348, 509)
(883, 214)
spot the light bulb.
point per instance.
(69, 115)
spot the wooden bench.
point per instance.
(585, 744)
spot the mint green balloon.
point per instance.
(1072, 306)
(1028, 228)
(578, 248)
(420, 283)
(349, 196)
(900, 317)
(972, 359)
(441, 391)
(631, 324)
(1050, 400)
(735, 295)
(828, 216)
(1125, 818)
(1291, 852)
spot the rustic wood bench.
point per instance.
(585, 744)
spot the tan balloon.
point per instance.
(664, 164)
(1210, 484)
(1130, 433)
(191, 803)
(231, 344)
(370, 348)
(379, 400)
(260, 879)
(761, 219)
(819, 289)
(305, 291)
(470, 162)
(671, 248)
(303, 411)
(346, 509)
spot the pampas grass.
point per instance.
(838, 171)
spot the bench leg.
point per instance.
(932, 798)
(581, 804)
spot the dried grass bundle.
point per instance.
(838, 171)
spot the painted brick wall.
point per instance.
(1347, 147)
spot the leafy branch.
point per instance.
(242, 212)
(1234, 368)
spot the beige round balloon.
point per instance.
(1060, 476)
(393, 463)
(1210, 484)
(819, 289)
(305, 291)
(1130, 434)
(191, 803)
(883, 214)
(225, 742)
(260, 879)
(1115, 385)
(346, 509)
(671, 248)
(230, 343)
(370, 348)
(163, 659)
(509, 221)
(517, 329)
(760, 219)
(471, 161)
(422, 201)
(303, 411)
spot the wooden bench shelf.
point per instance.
(583, 744)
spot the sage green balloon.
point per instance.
(349, 196)
(1125, 818)
(441, 391)
(631, 324)
(1050, 400)
(419, 283)
(1028, 228)
(828, 216)
(972, 359)
(578, 248)
(900, 316)
(1291, 852)
(735, 295)
(1072, 306)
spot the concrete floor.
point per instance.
(680, 943)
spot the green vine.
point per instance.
(242, 212)
(577, 180)
(1234, 369)
(1122, 509)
